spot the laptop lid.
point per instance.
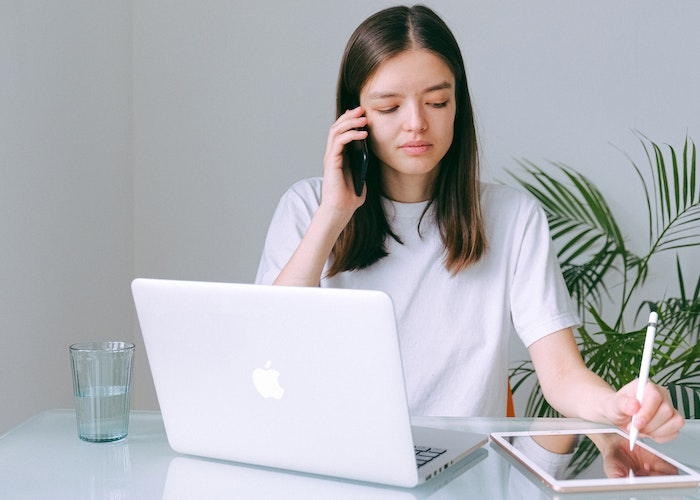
(307, 379)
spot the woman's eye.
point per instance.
(386, 111)
(439, 104)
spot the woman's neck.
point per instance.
(406, 188)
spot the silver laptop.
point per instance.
(304, 379)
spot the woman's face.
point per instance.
(410, 106)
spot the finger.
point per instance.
(652, 399)
(665, 425)
(657, 418)
(336, 144)
(655, 466)
(356, 111)
(339, 137)
(347, 124)
(352, 118)
(351, 115)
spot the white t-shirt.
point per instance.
(454, 330)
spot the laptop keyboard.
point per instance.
(425, 454)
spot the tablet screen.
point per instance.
(594, 459)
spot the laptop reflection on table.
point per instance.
(190, 477)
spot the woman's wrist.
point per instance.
(308, 261)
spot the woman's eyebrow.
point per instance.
(439, 86)
(388, 94)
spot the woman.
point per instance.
(465, 262)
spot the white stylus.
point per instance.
(644, 370)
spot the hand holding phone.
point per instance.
(358, 160)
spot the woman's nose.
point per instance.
(415, 119)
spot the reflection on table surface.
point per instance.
(593, 456)
(190, 477)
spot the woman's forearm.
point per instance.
(305, 267)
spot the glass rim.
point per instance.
(102, 345)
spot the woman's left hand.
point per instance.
(656, 417)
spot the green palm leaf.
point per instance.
(674, 212)
(588, 236)
(687, 397)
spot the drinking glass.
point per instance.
(102, 388)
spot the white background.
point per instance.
(154, 138)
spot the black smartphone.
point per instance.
(358, 159)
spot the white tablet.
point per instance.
(587, 460)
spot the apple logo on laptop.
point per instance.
(266, 382)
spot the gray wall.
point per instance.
(66, 192)
(153, 138)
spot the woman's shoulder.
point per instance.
(311, 185)
(305, 190)
(502, 197)
(509, 212)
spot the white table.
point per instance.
(43, 458)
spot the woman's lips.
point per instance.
(415, 147)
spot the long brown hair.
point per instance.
(455, 191)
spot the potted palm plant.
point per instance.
(605, 277)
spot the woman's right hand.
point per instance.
(338, 203)
(338, 192)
